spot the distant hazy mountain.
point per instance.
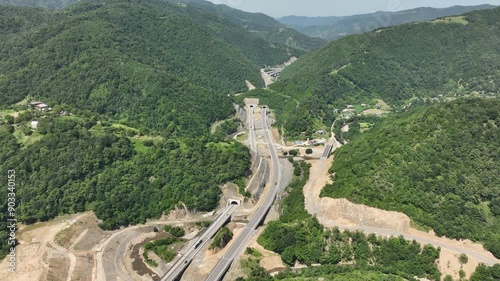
(331, 28)
(119, 39)
(453, 56)
(259, 24)
(48, 4)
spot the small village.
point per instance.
(26, 117)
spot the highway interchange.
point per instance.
(241, 241)
(188, 254)
(237, 247)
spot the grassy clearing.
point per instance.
(383, 105)
(242, 137)
(25, 139)
(139, 147)
(375, 112)
(125, 127)
(4, 112)
(19, 136)
(163, 248)
(97, 132)
(219, 145)
(35, 136)
(64, 236)
(23, 102)
(485, 209)
(419, 226)
(142, 144)
(365, 127)
(75, 118)
(336, 71)
(318, 125)
(11, 112)
(26, 228)
(457, 20)
(155, 139)
(120, 129)
(253, 252)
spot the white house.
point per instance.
(41, 107)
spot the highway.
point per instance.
(188, 254)
(251, 128)
(241, 241)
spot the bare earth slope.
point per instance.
(346, 215)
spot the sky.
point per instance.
(280, 8)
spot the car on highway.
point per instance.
(197, 243)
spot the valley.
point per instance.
(185, 140)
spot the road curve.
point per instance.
(188, 254)
(242, 240)
(489, 260)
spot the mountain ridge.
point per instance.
(438, 164)
(335, 27)
(121, 51)
(259, 23)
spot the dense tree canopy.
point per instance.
(128, 55)
(398, 65)
(74, 168)
(299, 237)
(438, 164)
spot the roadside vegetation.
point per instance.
(251, 267)
(161, 249)
(438, 164)
(360, 69)
(74, 167)
(221, 239)
(300, 239)
(175, 231)
(144, 82)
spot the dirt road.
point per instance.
(72, 247)
(38, 256)
(346, 215)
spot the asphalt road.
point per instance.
(251, 128)
(188, 254)
(242, 240)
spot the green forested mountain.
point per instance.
(257, 23)
(331, 28)
(299, 237)
(164, 70)
(438, 164)
(77, 164)
(48, 4)
(123, 57)
(455, 57)
(262, 25)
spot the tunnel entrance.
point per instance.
(234, 202)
